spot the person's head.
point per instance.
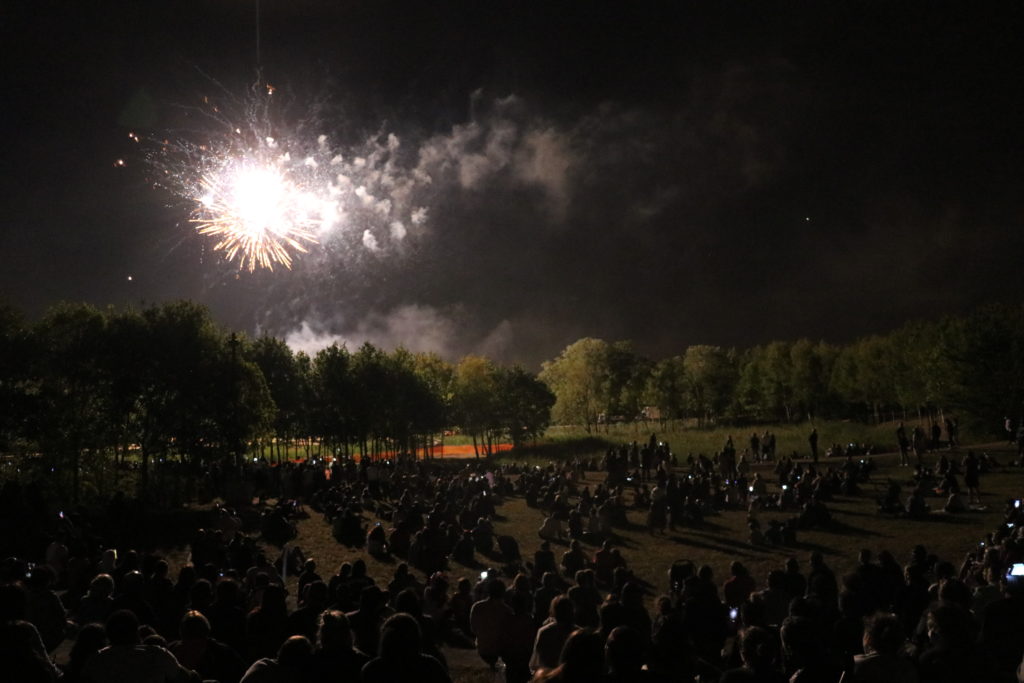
(274, 599)
(334, 632)
(496, 589)
(801, 638)
(883, 634)
(309, 567)
(226, 591)
(101, 586)
(624, 650)
(408, 601)
(793, 565)
(294, 652)
(757, 648)
(122, 628)
(562, 609)
(950, 625)
(956, 592)
(737, 569)
(91, 639)
(582, 655)
(194, 626)
(400, 637)
(817, 559)
(132, 583)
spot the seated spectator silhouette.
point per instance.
(883, 658)
(547, 648)
(127, 660)
(97, 604)
(291, 665)
(624, 655)
(582, 659)
(22, 653)
(551, 529)
(44, 608)
(488, 619)
(198, 651)
(335, 658)
(952, 653)
(90, 639)
(549, 589)
(304, 620)
(266, 624)
(807, 659)
(366, 620)
(401, 660)
(759, 652)
(574, 559)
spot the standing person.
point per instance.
(972, 472)
(951, 432)
(904, 444)
(813, 441)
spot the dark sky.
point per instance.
(673, 173)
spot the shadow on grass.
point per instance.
(719, 544)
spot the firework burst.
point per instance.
(259, 216)
(268, 192)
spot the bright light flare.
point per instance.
(259, 215)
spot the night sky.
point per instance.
(672, 173)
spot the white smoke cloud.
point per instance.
(414, 327)
(370, 242)
(398, 231)
(505, 140)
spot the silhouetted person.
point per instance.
(401, 659)
(127, 660)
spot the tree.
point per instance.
(333, 392)
(474, 398)
(666, 388)
(72, 392)
(282, 374)
(525, 404)
(984, 356)
(711, 374)
(578, 379)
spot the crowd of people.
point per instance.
(558, 613)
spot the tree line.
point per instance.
(972, 365)
(166, 383)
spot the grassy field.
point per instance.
(723, 538)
